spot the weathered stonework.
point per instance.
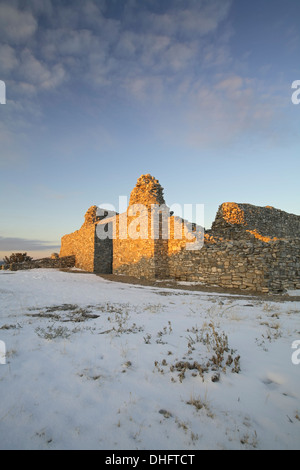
(248, 247)
(147, 191)
(245, 221)
(92, 254)
(241, 264)
(58, 263)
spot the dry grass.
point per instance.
(219, 357)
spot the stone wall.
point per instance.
(92, 253)
(133, 246)
(130, 246)
(81, 244)
(241, 264)
(135, 251)
(147, 256)
(147, 191)
(246, 221)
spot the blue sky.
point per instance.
(195, 92)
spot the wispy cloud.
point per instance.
(16, 25)
(218, 114)
(24, 245)
(172, 54)
(98, 42)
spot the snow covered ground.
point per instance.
(95, 364)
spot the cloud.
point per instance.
(24, 245)
(152, 52)
(175, 17)
(219, 114)
(173, 53)
(106, 43)
(231, 84)
(38, 74)
(16, 25)
(9, 59)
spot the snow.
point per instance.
(294, 293)
(93, 364)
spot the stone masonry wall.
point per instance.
(92, 254)
(134, 256)
(147, 256)
(58, 263)
(135, 251)
(246, 221)
(81, 244)
(147, 191)
(241, 264)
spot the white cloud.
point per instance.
(23, 244)
(56, 77)
(153, 56)
(233, 87)
(218, 114)
(142, 87)
(9, 59)
(16, 25)
(177, 17)
(202, 17)
(127, 50)
(38, 74)
(32, 69)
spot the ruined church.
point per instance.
(248, 247)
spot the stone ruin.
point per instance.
(248, 248)
(54, 262)
(147, 191)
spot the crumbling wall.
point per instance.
(246, 221)
(136, 252)
(147, 191)
(145, 253)
(58, 263)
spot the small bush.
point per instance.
(16, 258)
(51, 332)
